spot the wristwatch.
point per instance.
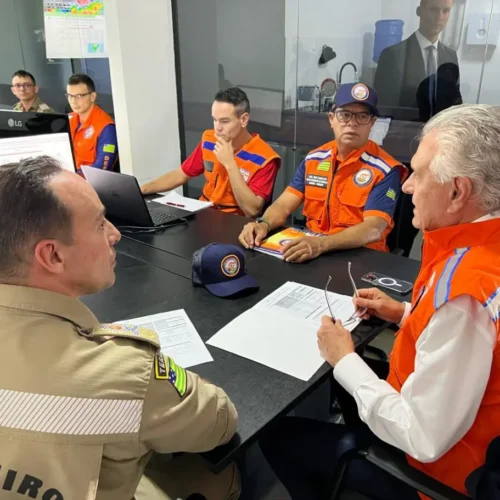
(263, 220)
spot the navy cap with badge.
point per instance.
(221, 270)
(356, 93)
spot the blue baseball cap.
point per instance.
(221, 270)
(356, 93)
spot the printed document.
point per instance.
(174, 199)
(281, 330)
(178, 337)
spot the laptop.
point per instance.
(122, 197)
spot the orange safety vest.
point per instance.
(457, 260)
(336, 193)
(252, 157)
(85, 138)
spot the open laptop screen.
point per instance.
(58, 146)
(28, 135)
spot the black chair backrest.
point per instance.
(484, 483)
(403, 234)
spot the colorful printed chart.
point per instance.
(75, 29)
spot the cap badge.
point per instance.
(230, 266)
(360, 92)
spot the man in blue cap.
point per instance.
(349, 187)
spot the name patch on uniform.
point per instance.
(161, 367)
(109, 148)
(363, 177)
(245, 174)
(320, 181)
(324, 166)
(166, 369)
(89, 132)
(28, 486)
(391, 194)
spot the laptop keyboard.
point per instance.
(160, 218)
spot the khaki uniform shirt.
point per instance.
(83, 405)
(38, 106)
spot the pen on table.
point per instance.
(175, 204)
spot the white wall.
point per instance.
(471, 61)
(347, 29)
(141, 54)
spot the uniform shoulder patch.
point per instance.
(109, 331)
(391, 193)
(109, 148)
(166, 369)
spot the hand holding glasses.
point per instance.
(358, 313)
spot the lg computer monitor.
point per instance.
(28, 135)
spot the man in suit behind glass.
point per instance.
(421, 72)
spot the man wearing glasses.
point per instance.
(93, 131)
(349, 187)
(24, 87)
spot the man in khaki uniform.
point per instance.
(24, 87)
(84, 405)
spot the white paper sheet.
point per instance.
(178, 337)
(176, 200)
(280, 331)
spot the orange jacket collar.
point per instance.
(463, 235)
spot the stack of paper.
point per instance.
(281, 330)
(275, 243)
(174, 199)
(380, 130)
(178, 337)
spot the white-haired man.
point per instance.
(440, 403)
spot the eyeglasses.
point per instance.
(19, 86)
(358, 313)
(344, 116)
(76, 97)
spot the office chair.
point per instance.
(395, 464)
(400, 240)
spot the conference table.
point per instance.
(153, 275)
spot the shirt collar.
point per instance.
(34, 106)
(90, 118)
(424, 42)
(494, 215)
(45, 302)
(483, 231)
(352, 157)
